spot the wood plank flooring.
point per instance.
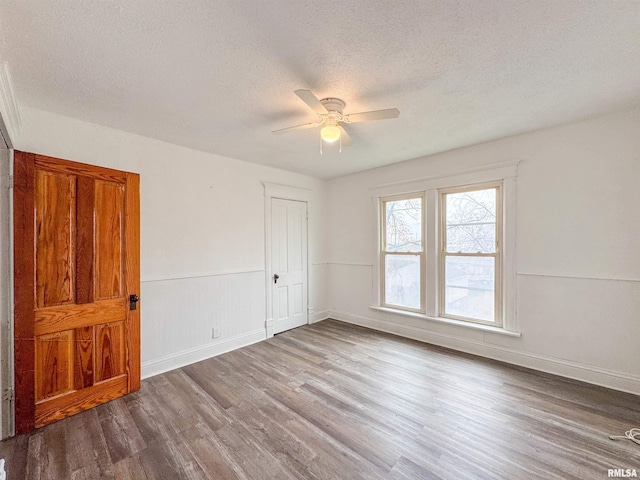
(335, 401)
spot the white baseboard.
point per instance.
(598, 376)
(318, 316)
(187, 357)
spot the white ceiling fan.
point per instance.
(330, 117)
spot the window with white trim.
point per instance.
(442, 252)
(402, 258)
(469, 276)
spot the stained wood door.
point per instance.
(77, 342)
(289, 263)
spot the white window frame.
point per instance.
(384, 252)
(505, 173)
(496, 255)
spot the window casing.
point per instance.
(402, 258)
(470, 256)
(493, 278)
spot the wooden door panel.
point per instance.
(110, 350)
(85, 240)
(132, 279)
(55, 238)
(76, 401)
(54, 319)
(83, 358)
(77, 260)
(24, 284)
(54, 364)
(109, 206)
(52, 164)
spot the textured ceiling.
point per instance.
(219, 75)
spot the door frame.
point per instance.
(7, 388)
(283, 192)
(10, 126)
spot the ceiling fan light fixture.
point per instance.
(330, 133)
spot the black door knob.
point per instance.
(275, 278)
(133, 301)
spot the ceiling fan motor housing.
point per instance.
(333, 104)
(335, 107)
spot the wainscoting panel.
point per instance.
(179, 316)
(582, 328)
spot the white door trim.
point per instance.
(7, 424)
(10, 126)
(284, 192)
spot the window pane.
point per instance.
(471, 221)
(404, 225)
(402, 280)
(469, 287)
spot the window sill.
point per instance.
(449, 321)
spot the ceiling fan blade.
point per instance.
(344, 137)
(373, 115)
(297, 127)
(310, 99)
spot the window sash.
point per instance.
(384, 252)
(496, 255)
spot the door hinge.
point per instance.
(8, 394)
(10, 182)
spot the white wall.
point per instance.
(202, 235)
(203, 258)
(578, 261)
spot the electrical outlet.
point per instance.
(216, 332)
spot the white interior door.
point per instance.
(289, 263)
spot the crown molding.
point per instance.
(9, 112)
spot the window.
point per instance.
(470, 259)
(447, 253)
(402, 258)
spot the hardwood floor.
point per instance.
(334, 401)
